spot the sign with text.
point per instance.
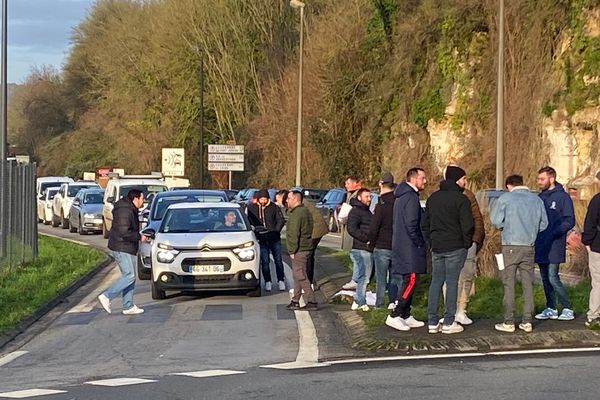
(225, 166)
(226, 148)
(173, 162)
(225, 157)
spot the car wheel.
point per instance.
(80, 229)
(255, 292)
(143, 273)
(105, 231)
(55, 221)
(64, 223)
(72, 229)
(157, 294)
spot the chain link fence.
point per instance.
(18, 215)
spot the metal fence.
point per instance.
(18, 216)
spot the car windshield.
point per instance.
(46, 185)
(161, 204)
(93, 198)
(52, 193)
(332, 196)
(148, 190)
(73, 190)
(196, 220)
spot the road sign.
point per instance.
(173, 162)
(225, 166)
(225, 157)
(226, 148)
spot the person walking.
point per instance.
(448, 226)
(551, 244)
(380, 237)
(591, 240)
(409, 258)
(521, 216)
(265, 213)
(320, 229)
(359, 220)
(352, 185)
(299, 242)
(123, 241)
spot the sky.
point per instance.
(39, 33)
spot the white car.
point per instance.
(44, 205)
(44, 183)
(61, 205)
(204, 247)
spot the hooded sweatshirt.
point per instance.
(408, 244)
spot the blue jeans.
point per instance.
(126, 282)
(383, 265)
(274, 248)
(363, 264)
(552, 283)
(446, 269)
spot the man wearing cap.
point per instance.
(591, 240)
(380, 236)
(267, 214)
(448, 226)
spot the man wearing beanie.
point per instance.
(591, 240)
(448, 226)
(263, 212)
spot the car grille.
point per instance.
(212, 278)
(187, 263)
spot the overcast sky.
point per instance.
(39, 33)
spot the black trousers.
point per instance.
(405, 296)
(310, 267)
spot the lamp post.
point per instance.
(299, 5)
(500, 105)
(3, 127)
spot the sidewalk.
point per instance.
(478, 337)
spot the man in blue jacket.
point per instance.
(408, 249)
(551, 244)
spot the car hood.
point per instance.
(212, 240)
(92, 208)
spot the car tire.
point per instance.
(72, 229)
(143, 274)
(255, 292)
(64, 222)
(105, 232)
(80, 229)
(157, 294)
(55, 221)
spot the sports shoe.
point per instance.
(526, 327)
(593, 323)
(566, 315)
(268, 286)
(364, 308)
(310, 307)
(504, 327)
(133, 310)
(397, 323)
(454, 328)
(461, 318)
(354, 306)
(104, 302)
(414, 323)
(391, 306)
(281, 286)
(548, 313)
(350, 286)
(293, 306)
(434, 328)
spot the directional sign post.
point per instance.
(226, 157)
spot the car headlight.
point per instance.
(245, 252)
(166, 254)
(91, 216)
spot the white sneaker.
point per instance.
(397, 323)
(350, 286)
(281, 286)
(364, 308)
(461, 318)
(526, 326)
(268, 286)
(354, 306)
(414, 323)
(391, 306)
(435, 328)
(454, 328)
(104, 302)
(133, 310)
(504, 327)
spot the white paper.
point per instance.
(500, 261)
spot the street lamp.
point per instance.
(3, 128)
(299, 5)
(500, 105)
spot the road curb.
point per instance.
(59, 298)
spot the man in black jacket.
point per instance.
(591, 240)
(448, 225)
(267, 214)
(380, 237)
(124, 242)
(359, 220)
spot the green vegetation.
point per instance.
(25, 289)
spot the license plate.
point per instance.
(98, 221)
(208, 269)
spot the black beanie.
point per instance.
(262, 193)
(454, 174)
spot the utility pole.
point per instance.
(201, 155)
(500, 105)
(3, 130)
(299, 5)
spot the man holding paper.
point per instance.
(520, 215)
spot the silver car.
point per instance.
(205, 247)
(86, 212)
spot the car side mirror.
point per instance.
(110, 200)
(41, 197)
(76, 202)
(149, 233)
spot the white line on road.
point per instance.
(209, 373)
(11, 357)
(22, 394)
(120, 382)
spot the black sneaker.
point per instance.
(310, 307)
(293, 306)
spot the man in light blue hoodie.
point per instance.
(520, 215)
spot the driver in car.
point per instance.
(230, 218)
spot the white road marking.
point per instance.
(90, 301)
(209, 373)
(22, 394)
(120, 382)
(11, 357)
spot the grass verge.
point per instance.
(25, 289)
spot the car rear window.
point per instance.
(73, 190)
(196, 220)
(93, 198)
(148, 190)
(161, 204)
